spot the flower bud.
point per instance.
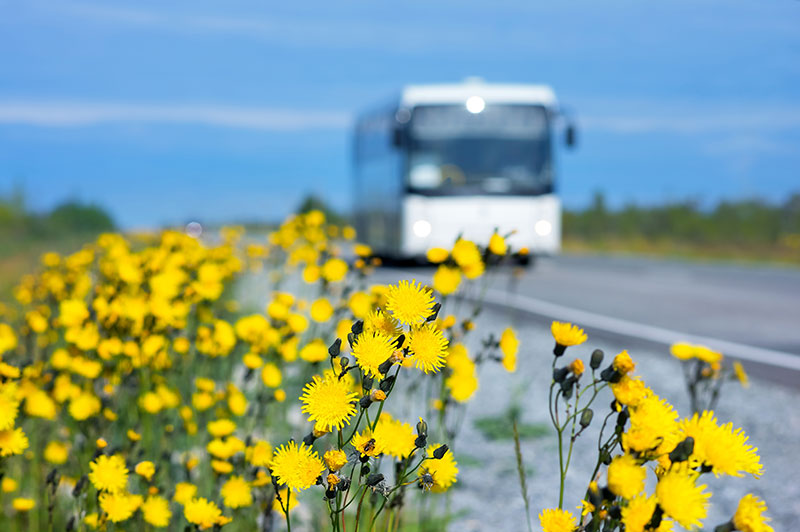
(384, 368)
(335, 347)
(559, 374)
(440, 452)
(610, 375)
(559, 349)
(422, 428)
(344, 362)
(344, 484)
(366, 383)
(309, 439)
(386, 384)
(623, 416)
(79, 486)
(597, 359)
(399, 341)
(586, 417)
(377, 395)
(357, 327)
(683, 450)
(365, 470)
(726, 527)
(420, 442)
(365, 402)
(436, 308)
(373, 480)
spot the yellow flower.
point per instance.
(202, 512)
(462, 385)
(509, 345)
(156, 511)
(184, 492)
(409, 302)
(466, 253)
(236, 492)
(334, 270)
(638, 512)
(297, 467)
(623, 363)
(446, 279)
(259, 454)
(366, 444)
(722, 448)
(84, 406)
(653, 426)
(379, 321)
(9, 405)
(133, 435)
(749, 516)
(428, 347)
(109, 473)
(9, 485)
(394, 437)
(576, 367)
(443, 470)
(329, 402)
(437, 255)
(707, 355)
(12, 441)
(625, 476)
(8, 340)
(119, 506)
(555, 520)
(629, 390)
(371, 350)
(682, 350)
(22, 504)
(40, 404)
(321, 310)
(271, 375)
(335, 459)
(741, 375)
(221, 427)
(72, 313)
(145, 469)
(567, 334)
(362, 250)
(680, 497)
(314, 351)
(497, 244)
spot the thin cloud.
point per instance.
(71, 114)
(689, 122)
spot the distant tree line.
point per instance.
(18, 222)
(751, 221)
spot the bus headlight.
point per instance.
(543, 228)
(421, 228)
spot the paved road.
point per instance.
(749, 312)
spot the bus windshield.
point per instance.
(504, 149)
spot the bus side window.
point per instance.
(571, 136)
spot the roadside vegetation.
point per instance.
(745, 231)
(25, 235)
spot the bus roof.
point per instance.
(453, 93)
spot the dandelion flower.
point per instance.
(371, 350)
(466, 253)
(437, 255)
(749, 516)
(202, 512)
(509, 345)
(145, 469)
(109, 473)
(565, 335)
(321, 310)
(56, 453)
(335, 459)
(497, 244)
(555, 520)
(722, 448)
(682, 350)
(446, 279)
(623, 363)
(382, 322)
(638, 512)
(119, 506)
(156, 511)
(626, 476)
(297, 467)
(629, 390)
(462, 385)
(366, 443)
(395, 437)
(741, 375)
(22, 504)
(9, 405)
(429, 347)
(681, 498)
(409, 302)
(443, 470)
(329, 402)
(576, 367)
(260, 454)
(236, 492)
(184, 492)
(12, 441)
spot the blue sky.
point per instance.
(170, 111)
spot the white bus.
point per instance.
(458, 159)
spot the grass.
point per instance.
(786, 256)
(21, 256)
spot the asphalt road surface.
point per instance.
(748, 313)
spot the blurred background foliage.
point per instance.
(25, 235)
(748, 230)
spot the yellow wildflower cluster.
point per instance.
(650, 440)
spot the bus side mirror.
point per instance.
(398, 136)
(571, 136)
